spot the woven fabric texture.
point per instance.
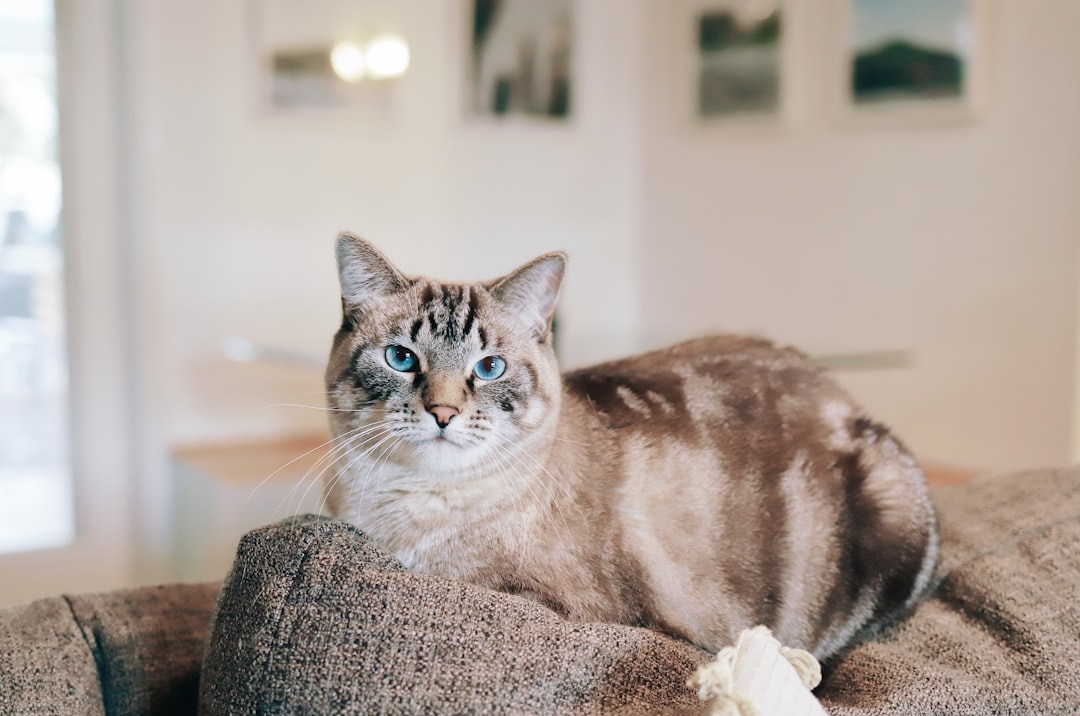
(121, 653)
(1001, 634)
(46, 666)
(148, 645)
(316, 619)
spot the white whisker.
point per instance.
(324, 460)
(388, 442)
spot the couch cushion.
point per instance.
(46, 666)
(148, 645)
(135, 651)
(1002, 632)
(314, 618)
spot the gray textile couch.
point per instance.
(135, 651)
(315, 619)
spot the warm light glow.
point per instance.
(387, 56)
(347, 59)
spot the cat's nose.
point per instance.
(443, 414)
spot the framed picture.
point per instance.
(325, 56)
(738, 58)
(910, 62)
(521, 59)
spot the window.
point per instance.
(36, 501)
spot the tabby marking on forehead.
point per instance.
(697, 490)
(451, 310)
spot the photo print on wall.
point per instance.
(910, 51)
(521, 59)
(738, 58)
(326, 55)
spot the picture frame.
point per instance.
(314, 59)
(734, 63)
(911, 63)
(520, 63)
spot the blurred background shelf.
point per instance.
(221, 490)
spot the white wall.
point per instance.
(234, 210)
(521, 189)
(958, 243)
(237, 210)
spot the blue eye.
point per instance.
(402, 359)
(490, 368)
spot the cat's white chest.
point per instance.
(442, 526)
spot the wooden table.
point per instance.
(945, 475)
(222, 490)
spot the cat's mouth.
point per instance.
(444, 440)
(444, 453)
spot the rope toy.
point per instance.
(759, 677)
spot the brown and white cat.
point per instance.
(698, 490)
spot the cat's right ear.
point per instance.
(364, 272)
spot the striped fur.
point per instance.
(698, 490)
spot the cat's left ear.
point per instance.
(532, 291)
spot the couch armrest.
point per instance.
(148, 644)
(135, 651)
(46, 666)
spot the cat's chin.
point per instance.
(440, 455)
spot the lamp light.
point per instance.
(348, 62)
(387, 56)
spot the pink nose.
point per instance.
(443, 414)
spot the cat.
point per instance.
(698, 490)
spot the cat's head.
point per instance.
(440, 377)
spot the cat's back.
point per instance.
(732, 380)
(746, 462)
